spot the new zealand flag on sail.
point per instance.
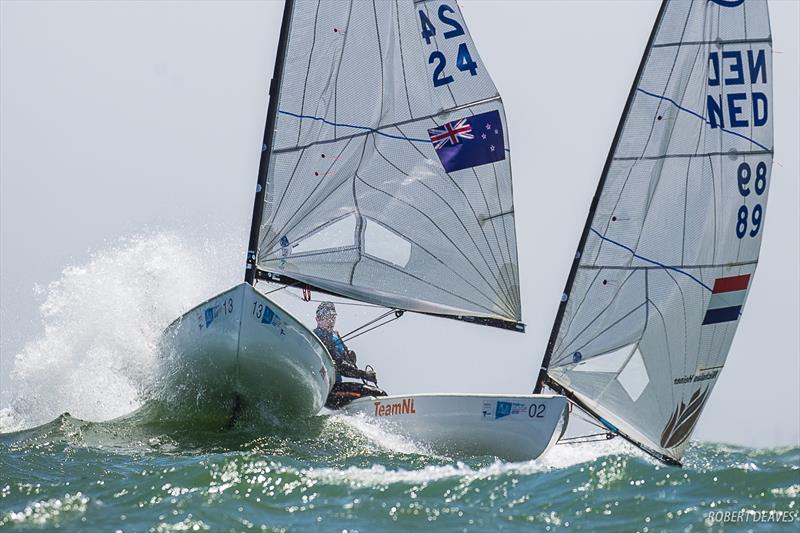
(469, 142)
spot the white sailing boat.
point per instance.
(385, 177)
(668, 253)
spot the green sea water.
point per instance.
(143, 472)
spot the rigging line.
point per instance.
(339, 68)
(445, 202)
(360, 231)
(397, 315)
(308, 69)
(718, 42)
(380, 56)
(701, 117)
(402, 60)
(367, 129)
(436, 45)
(281, 288)
(583, 439)
(703, 155)
(367, 324)
(582, 413)
(662, 265)
(337, 302)
(669, 353)
(700, 137)
(708, 265)
(685, 324)
(502, 213)
(505, 281)
(498, 300)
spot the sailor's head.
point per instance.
(326, 315)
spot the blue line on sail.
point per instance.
(662, 265)
(373, 130)
(701, 117)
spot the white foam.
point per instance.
(558, 457)
(381, 435)
(101, 323)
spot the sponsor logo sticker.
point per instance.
(404, 407)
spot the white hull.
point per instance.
(513, 427)
(241, 348)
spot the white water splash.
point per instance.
(102, 321)
(379, 434)
(559, 457)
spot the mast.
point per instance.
(269, 130)
(562, 307)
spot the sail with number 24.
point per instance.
(385, 177)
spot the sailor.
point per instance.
(343, 391)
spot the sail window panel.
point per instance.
(288, 229)
(611, 362)
(383, 243)
(327, 264)
(634, 377)
(625, 363)
(337, 234)
(604, 392)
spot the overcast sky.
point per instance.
(145, 118)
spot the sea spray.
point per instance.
(102, 321)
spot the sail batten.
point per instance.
(672, 240)
(389, 170)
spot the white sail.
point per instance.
(389, 174)
(673, 237)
